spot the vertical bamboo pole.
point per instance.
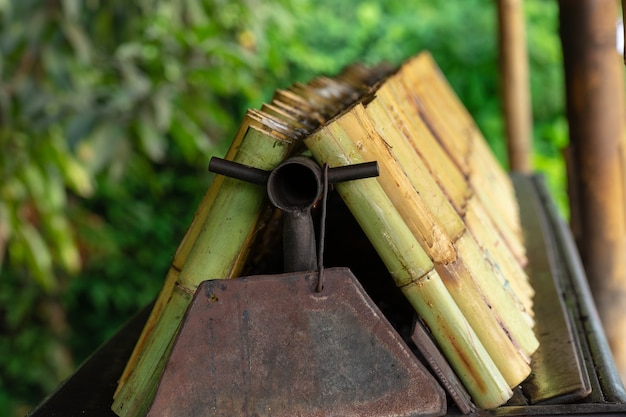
(514, 84)
(595, 110)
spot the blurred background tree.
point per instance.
(110, 111)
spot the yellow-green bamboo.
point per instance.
(412, 270)
(223, 237)
(180, 256)
(411, 200)
(445, 128)
(417, 196)
(463, 141)
(481, 226)
(392, 145)
(491, 187)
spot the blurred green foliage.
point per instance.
(110, 110)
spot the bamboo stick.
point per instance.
(482, 227)
(411, 203)
(392, 148)
(513, 276)
(216, 253)
(491, 187)
(412, 270)
(180, 256)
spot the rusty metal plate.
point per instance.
(270, 345)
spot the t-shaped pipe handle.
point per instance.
(293, 187)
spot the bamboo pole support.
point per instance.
(595, 110)
(514, 84)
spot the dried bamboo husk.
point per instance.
(463, 141)
(393, 146)
(412, 269)
(280, 114)
(405, 113)
(409, 186)
(410, 199)
(296, 114)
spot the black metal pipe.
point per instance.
(295, 184)
(239, 171)
(353, 172)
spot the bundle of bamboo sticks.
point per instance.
(442, 216)
(444, 219)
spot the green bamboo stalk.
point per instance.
(412, 270)
(180, 256)
(225, 234)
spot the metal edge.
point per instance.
(609, 379)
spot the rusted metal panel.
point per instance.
(272, 345)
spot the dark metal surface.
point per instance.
(559, 374)
(236, 170)
(272, 345)
(353, 172)
(599, 359)
(89, 391)
(294, 186)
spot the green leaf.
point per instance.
(37, 254)
(151, 140)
